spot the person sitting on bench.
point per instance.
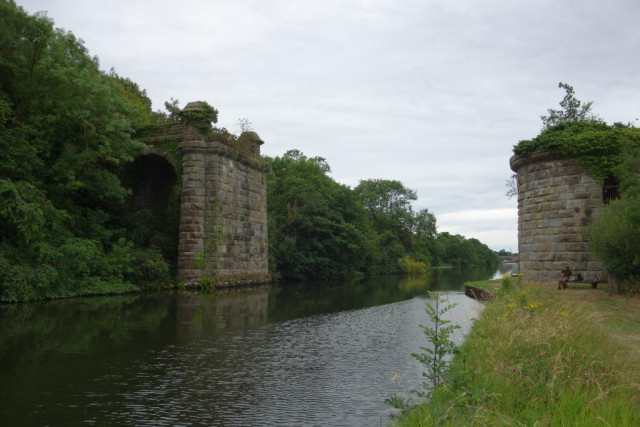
(565, 276)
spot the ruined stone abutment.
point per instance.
(223, 206)
(557, 200)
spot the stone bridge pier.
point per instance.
(557, 200)
(223, 210)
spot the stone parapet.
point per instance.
(557, 200)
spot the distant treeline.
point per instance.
(69, 221)
(320, 229)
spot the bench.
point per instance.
(578, 279)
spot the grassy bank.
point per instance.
(490, 285)
(538, 356)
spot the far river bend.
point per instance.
(286, 355)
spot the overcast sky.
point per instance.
(433, 93)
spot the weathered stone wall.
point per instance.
(223, 226)
(223, 208)
(556, 201)
(236, 245)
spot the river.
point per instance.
(284, 355)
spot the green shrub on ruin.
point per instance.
(575, 133)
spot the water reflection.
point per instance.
(284, 355)
(201, 314)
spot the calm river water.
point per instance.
(289, 355)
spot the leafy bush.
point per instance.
(148, 266)
(615, 239)
(615, 236)
(410, 266)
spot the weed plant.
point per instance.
(433, 357)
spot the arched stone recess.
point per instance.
(155, 204)
(557, 200)
(152, 150)
(223, 204)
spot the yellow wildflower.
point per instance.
(532, 304)
(563, 313)
(511, 305)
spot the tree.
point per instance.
(245, 125)
(572, 110)
(65, 134)
(317, 227)
(425, 232)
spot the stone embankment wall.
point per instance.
(223, 211)
(556, 201)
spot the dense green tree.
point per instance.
(317, 227)
(388, 205)
(65, 133)
(425, 233)
(459, 251)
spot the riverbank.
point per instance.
(490, 285)
(538, 355)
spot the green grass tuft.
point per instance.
(490, 285)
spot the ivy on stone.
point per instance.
(575, 133)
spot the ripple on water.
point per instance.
(332, 369)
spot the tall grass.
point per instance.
(534, 358)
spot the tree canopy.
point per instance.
(65, 136)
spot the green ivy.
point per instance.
(595, 146)
(202, 119)
(200, 261)
(152, 130)
(171, 148)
